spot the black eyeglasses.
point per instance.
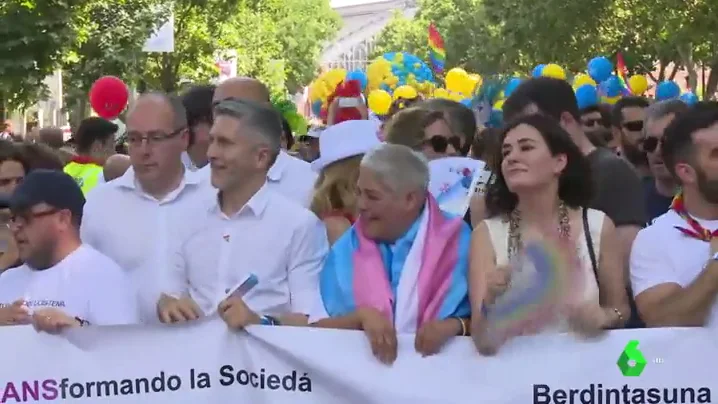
(591, 122)
(633, 126)
(25, 218)
(440, 143)
(650, 143)
(136, 138)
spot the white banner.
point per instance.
(207, 363)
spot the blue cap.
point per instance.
(52, 187)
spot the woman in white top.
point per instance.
(544, 183)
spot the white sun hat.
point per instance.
(344, 140)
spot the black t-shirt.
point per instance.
(617, 189)
(656, 204)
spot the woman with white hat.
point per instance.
(341, 148)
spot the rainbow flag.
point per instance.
(622, 73)
(437, 53)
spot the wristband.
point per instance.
(83, 323)
(269, 320)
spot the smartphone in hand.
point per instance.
(242, 288)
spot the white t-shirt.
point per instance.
(662, 254)
(86, 284)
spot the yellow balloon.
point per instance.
(441, 93)
(456, 96)
(405, 92)
(583, 79)
(499, 105)
(555, 71)
(455, 79)
(638, 84)
(379, 102)
(610, 100)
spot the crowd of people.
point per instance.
(212, 212)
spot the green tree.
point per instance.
(33, 37)
(110, 38)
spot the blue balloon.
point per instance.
(587, 96)
(466, 102)
(317, 107)
(667, 90)
(600, 69)
(511, 86)
(538, 70)
(612, 86)
(359, 76)
(689, 98)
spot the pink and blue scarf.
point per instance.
(419, 278)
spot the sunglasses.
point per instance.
(633, 126)
(650, 143)
(592, 122)
(440, 143)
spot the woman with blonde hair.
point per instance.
(341, 148)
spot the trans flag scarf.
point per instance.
(419, 278)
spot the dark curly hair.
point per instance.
(575, 187)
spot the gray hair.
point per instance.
(179, 113)
(398, 167)
(265, 120)
(662, 109)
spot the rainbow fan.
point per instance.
(544, 278)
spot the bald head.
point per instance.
(115, 166)
(245, 88)
(168, 106)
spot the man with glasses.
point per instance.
(660, 187)
(627, 118)
(138, 218)
(63, 282)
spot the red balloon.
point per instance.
(109, 96)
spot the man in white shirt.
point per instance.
(674, 262)
(63, 283)
(139, 218)
(248, 230)
(288, 175)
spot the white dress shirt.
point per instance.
(289, 176)
(278, 241)
(86, 284)
(139, 232)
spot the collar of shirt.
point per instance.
(188, 163)
(256, 204)
(277, 169)
(128, 181)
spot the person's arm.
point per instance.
(612, 278)
(662, 300)
(348, 322)
(336, 227)
(619, 194)
(308, 251)
(482, 261)
(477, 207)
(89, 234)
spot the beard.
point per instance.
(634, 155)
(42, 256)
(708, 188)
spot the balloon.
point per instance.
(109, 96)
(689, 98)
(359, 76)
(586, 96)
(317, 107)
(499, 105)
(466, 102)
(667, 90)
(379, 102)
(610, 100)
(611, 87)
(582, 79)
(405, 92)
(638, 84)
(553, 71)
(538, 71)
(441, 93)
(455, 79)
(511, 86)
(600, 69)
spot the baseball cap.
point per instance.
(53, 187)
